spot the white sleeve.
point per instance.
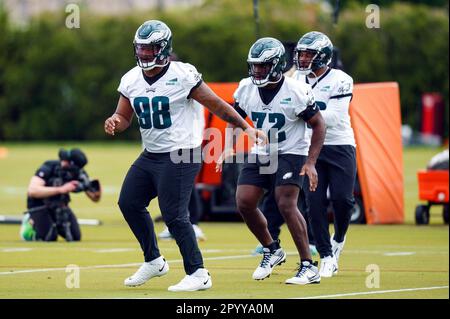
(123, 87)
(191, 78)
(304, 98)
(339, 102)
(238, 96)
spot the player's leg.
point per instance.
(270, 210)
(342, 182)
(247, 198)
(318, 219)
(135, 195)
(286, 196)
(274, 219)
(175, 183)
(288, 183)
(174, 190)
(195, 213)
(250, 189)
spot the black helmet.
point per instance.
(75, 156)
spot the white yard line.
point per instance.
(14, 250)
(27, 271)
(362, 293)
(400, 253)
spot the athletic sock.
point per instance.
(275, 245)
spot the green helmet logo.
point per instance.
(152, 44)
(321, 48)
(266, 61)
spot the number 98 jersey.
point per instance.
(169, 119)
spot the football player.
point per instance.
(161, 93)
(336, 165)
(282, 107)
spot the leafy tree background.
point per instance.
(58, 83)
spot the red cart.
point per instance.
(433, 187)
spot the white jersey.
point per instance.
(282, 114)
(333, 92)
(168, 118)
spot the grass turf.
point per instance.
(408, 256)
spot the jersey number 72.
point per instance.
(277, 118)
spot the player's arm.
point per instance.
(121, 119)
(231, 136)
(204, 95)
(37, 188)
(313, 117)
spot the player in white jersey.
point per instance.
(281, 107)
(162, 95)
(336, 165)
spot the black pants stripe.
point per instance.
(336, 168)
(155, 175)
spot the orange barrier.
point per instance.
(376, 121)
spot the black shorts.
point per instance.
(287, 172)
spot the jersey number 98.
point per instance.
(158, 116)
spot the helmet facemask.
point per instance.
(264, 73)
(149, 56)
(310, 65)
(319, 49)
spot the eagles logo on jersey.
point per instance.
(152, 45)
(266, 61)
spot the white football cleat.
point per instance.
(337, 248)
(199, 280)
(328, 267)
(155, 268)
(165, 234)
(198, 233)
(269, 261)
(307, 274)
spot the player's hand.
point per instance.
(68, 187)
(310, 170)
(257, 135)
(222, 158)
(111, 123)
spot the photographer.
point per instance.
(49, 214)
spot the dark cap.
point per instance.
(75, 155)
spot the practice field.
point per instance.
(412, 260)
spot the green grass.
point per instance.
(424, 262)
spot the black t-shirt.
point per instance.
(49, 172)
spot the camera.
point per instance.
(85, 184)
